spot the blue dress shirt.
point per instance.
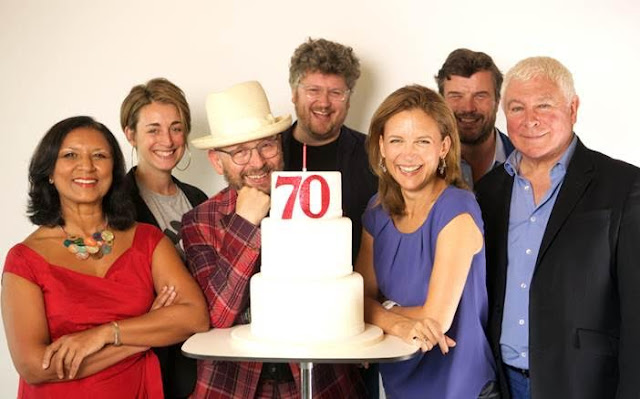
(527, 223)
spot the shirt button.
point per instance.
(526, 188)
(521, 322)
(523, 285)
(523, 354)
(532, 219)
(528, 252)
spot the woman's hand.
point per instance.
(165, 298)
(67, 352)
(424, 333)
(434, 333)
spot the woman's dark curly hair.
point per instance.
(44, 202)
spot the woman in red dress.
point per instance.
(86, 294)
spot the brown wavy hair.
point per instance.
(464, 62)
(405, 99)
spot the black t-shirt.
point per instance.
(319, 158)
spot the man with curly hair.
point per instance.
(322, 76)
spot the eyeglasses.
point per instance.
(314, 92)
(267, 149)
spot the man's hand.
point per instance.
(252, 204)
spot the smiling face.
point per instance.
(320, 114)
(159, 137)
(474, 103)
(83, 171)
(256, 173)
(412, 146)
(540, 118)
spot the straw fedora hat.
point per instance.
(239, 114)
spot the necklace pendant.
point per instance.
(73, 248)
(107, 236)
(96, 246)
(92, 250)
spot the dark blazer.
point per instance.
(358, 182)
(584, 316)
(178, 372)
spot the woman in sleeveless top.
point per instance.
(79, 300)
(422, 250)
(156, 120)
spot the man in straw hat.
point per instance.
(222, 244)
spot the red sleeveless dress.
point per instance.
(76, 302)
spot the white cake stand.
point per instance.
(218, 344)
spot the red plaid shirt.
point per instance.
(223, 252)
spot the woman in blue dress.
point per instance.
(423, 251)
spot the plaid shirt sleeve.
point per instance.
(222, 251)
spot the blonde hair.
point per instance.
(405, 99)
(158, 90)
(544, 67)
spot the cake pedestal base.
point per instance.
(218, 344)
(306, 380)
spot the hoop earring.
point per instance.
(188, 161)
(50, 181)
(442, 167)
(382, 166)
(134, 150)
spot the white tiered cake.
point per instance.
(306, 292)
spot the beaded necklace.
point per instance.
(96, 246)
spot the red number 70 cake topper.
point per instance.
(301, 190)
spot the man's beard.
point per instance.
(238, 182)
(486, 129)
(331, 130)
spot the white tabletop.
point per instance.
(218, 344)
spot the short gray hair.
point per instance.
(545, 67)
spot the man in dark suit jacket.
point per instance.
(562, 232)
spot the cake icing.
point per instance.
(307, 292)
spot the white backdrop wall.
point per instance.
(67, 57)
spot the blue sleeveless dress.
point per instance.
(403, 265)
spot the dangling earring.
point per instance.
(382, 166)
(50, 181)
(188, 161)
(134, 150)
(442, 167)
